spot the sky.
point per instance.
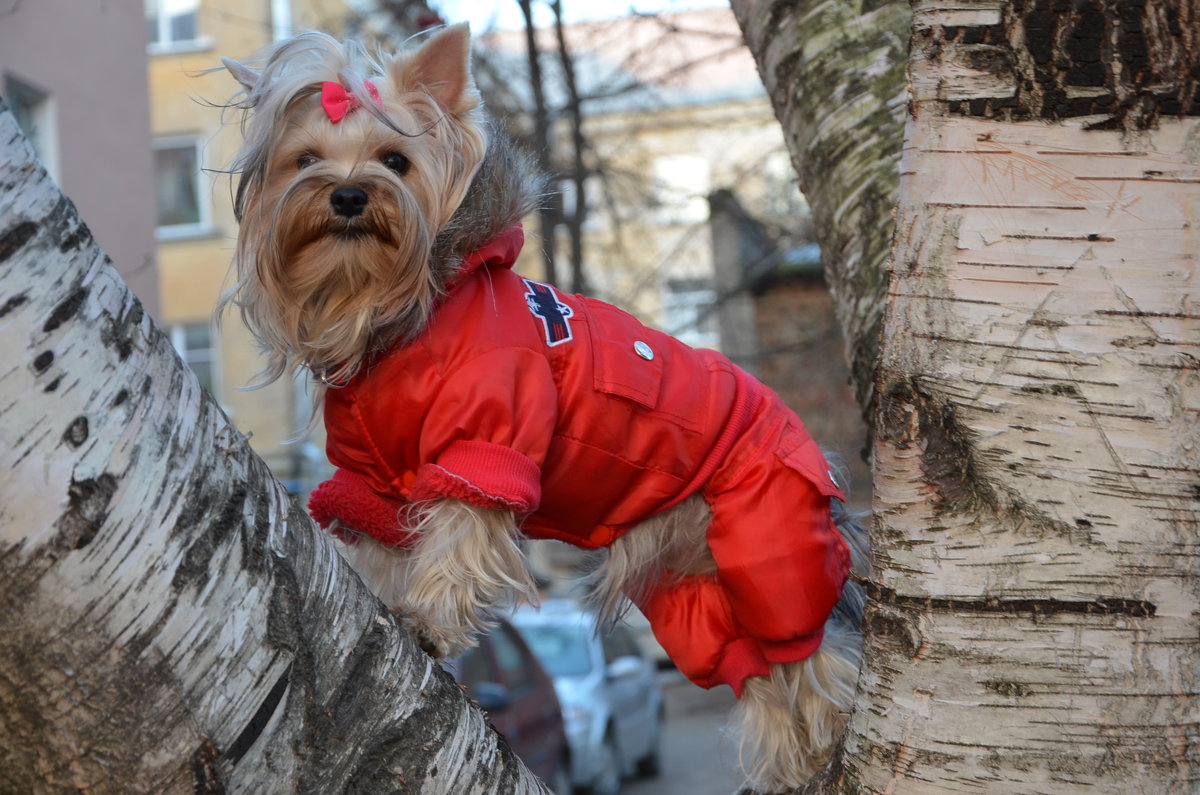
(506, 14)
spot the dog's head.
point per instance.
(351, 167)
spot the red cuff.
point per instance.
(347, 499)
(746, 657)
(483, 474)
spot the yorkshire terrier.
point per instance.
(467, 407)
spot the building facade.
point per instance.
(74, 75)
(194, 143)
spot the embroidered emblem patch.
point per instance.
(555, 315)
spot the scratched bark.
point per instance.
(1037, 468)
(169, 621)
(1032, 626)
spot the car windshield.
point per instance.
(563, 651)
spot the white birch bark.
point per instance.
(169, 621)
(1035, 590)
(1036, 466)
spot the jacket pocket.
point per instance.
(800, 453)
(624, 362)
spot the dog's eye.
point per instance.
(396, 162)
(305, 160)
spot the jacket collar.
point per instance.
(499, 252)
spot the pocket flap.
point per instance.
(623, 365)
(799, 452)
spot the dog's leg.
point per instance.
(669, 545)
(465, 562)
(789, 721)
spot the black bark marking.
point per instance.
(950, 462)
(77, 432)
(13, 303)
(262, 716)
(15, 239)
(1128, 60)
(893, 628)
(1051, 389)
(120, 331)
(43, 361)
(121, 397)
(87, 510)
(206, 779)
(66, 309)
(1133, 608)
(1007, 688)
(77, 238)
(53, 385)
(949, 459)
(194, 567)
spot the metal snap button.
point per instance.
(643, 350)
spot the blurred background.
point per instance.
(675, 199)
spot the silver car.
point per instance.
(611, 699)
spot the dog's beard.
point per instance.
(330, 288)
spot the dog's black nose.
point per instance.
(348, 202)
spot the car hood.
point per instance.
(572, 690)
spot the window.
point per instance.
(35, 115)
(181, 210)
(195, 344)
(173, 24)
(681, 189)
(689, 314)
(514, 666)
(619, 643)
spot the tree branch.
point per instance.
(169, 619)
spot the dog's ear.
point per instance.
(442, 66)
(241, 73)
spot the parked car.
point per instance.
(611, 698)
(520, 699)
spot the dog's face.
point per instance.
(350, 168)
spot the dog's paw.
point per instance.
(435, 642)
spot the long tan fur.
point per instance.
(789, 722)
(466, 563)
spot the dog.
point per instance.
(467, 407)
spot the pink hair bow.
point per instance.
(337, 101)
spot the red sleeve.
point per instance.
(486, 435)
(780, 557)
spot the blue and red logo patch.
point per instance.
(554, 314)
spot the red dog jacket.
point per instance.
(584, 422)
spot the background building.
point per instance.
(74, 75)
(674, 193)
(194, 143)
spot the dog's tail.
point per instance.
(791, 721)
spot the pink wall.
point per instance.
(90, 57)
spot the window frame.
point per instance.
(202, 227)
(178, 335)
(689, 311)
(21, 93)
(166, 45)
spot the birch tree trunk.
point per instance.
(1033, 626)
(834, 70)
(169, 620)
